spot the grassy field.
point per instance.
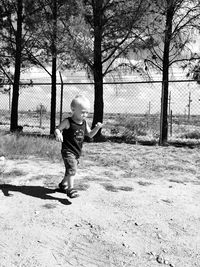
(119, 127)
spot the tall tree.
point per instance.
(12, 45)
(170, 28)
(109, 29)
(50, 42)
(15, 39)
(4, 57)
(18, 57)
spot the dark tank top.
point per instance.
(73, 137)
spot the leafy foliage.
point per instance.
(49, 29)
(193, 70)
(184, 16)
(121, 28)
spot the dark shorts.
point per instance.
(70, 162)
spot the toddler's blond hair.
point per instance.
(80, 100)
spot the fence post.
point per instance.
(61, 96)
(171, 123)
(169, 103)
(9, 95)
(161, 114)
(189, 105)
(41, 116)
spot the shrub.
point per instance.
(135, 125)
(191, 135)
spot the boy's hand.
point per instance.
(59, 136)
(99, 125)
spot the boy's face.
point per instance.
(80, 111)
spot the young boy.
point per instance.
(71, 133)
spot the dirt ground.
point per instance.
(138, 207)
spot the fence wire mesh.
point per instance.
(132, 105)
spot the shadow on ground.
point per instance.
(33, 191)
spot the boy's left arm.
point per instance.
(94, 131)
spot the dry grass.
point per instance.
(18, 146)
(147, 162)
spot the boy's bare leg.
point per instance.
(68, 181)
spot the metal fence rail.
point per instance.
(131, 103)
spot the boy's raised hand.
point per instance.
(99, 125)
(59, 136)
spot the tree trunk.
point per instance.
(15, 97)
(98, 101)
(98, 69)
(54, 67)
(165, 78)
(53, 98)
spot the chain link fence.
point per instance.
(130, 105)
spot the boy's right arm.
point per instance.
(58, 131)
